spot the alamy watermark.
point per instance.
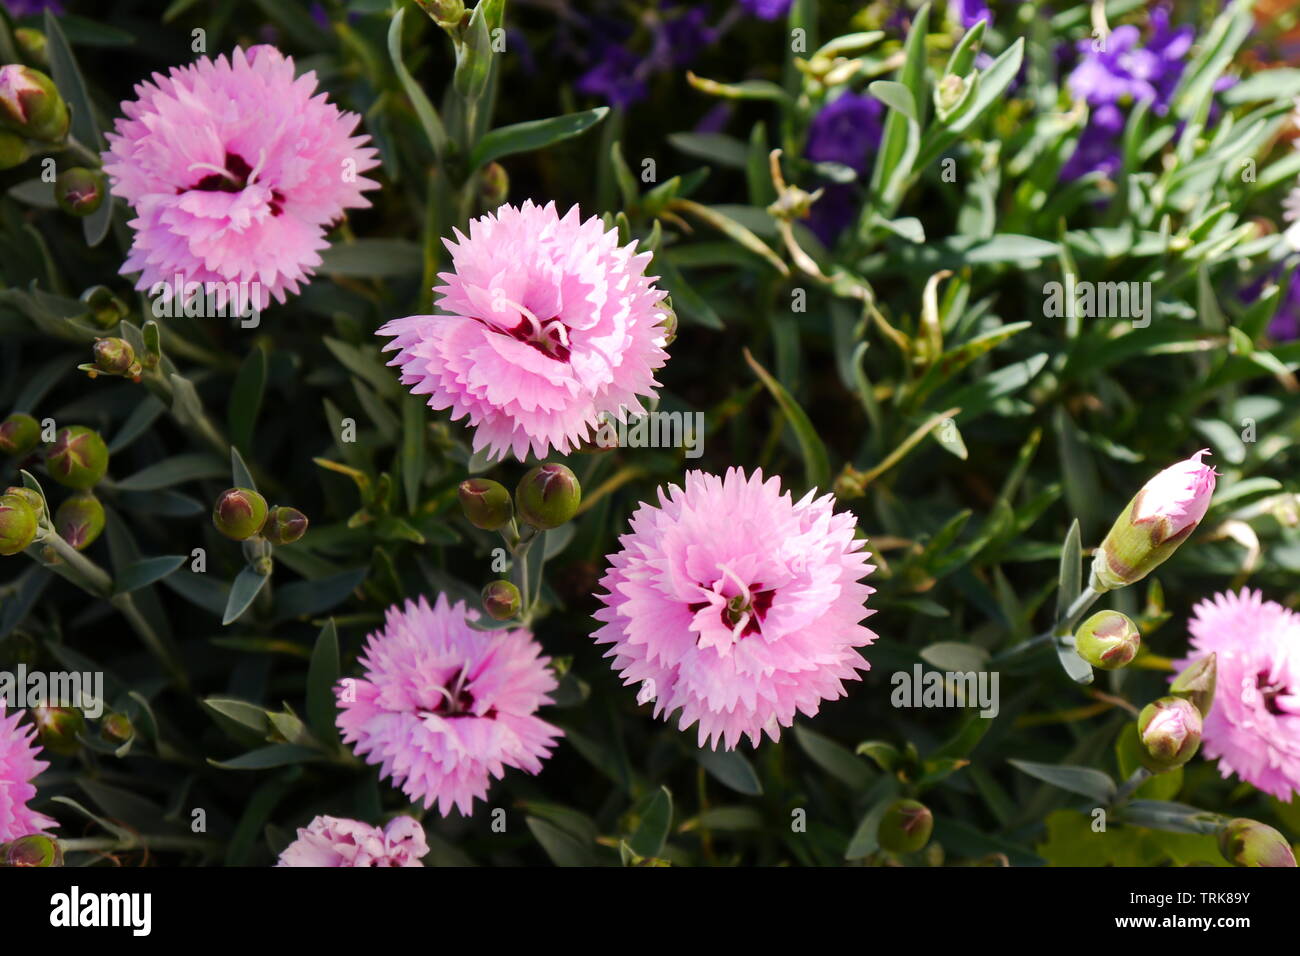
(207, 300)
(23, 689)
(683, 430)
(1081, 299)
(922, 688)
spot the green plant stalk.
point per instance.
(72, 565)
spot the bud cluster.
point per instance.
(241, 514)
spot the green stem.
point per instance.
(71, 564)
(1140, 776)
(146, 841)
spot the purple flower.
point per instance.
(1122, 73)
(1285, 324)
(846, 131)
(767, 9)
(616, 77)
(685, 36)
(28, 8)
(969, 12)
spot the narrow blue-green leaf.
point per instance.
(245, 588)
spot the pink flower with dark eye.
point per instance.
(549, 330)
(1253, 727)
(235, 168)
(336, 841)
(443, 707)
(736, 605)
(18, 766)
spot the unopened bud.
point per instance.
(239, 513)
(106, 309)
(486, 503)
(58, 728)
(1108, 640)
(30, 104)
(284, 525)
(1170, 731)
(114, 356)
(493, 185)
(19, 434)
(1159, 518)
(668, 323)
(1197, 682)
(80, 191)
(36, 849)
(80, 520)
(116, 728)
(32, 44)
(28, 495)
(949, 93)
(78, 458)
(1250, 843)
(446, 13)
(18, 524)
(548, 496)
(502, 600)
(14, 150)
(905, 827)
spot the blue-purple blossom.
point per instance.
(767, 9)
(616, 77)
(1122, 73)
(969, 12)
(27, 8)
(846, 131)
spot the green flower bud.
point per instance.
(948, 94)
(486, 503)
(30, 496)
(1108, 640)
(18, 523)
(30, 104)
(78, 458)
(116, 728)
(905, 827)
(502, 600)
(548, 496)
(1170, 731)
(80, 191)
(284, 525)
(1197, 682)
(80, 520)
(19, 434)
(448, 14)
(34, 850)
(106, 309)
(668, 323)
(14, 150)
(58, 728)
(239, 513)
(493, 185)
(32, 45)
(114, 356)
(1250, 843)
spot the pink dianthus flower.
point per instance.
(736, 605)
(336, 841)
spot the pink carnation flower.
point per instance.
(334, 841)
(18, 765)
(1253, 729)
(234, 169)
(444, 707)
(736, 605)
(550, 330)
(1180, 495)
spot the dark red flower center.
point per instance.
(239, 171)
(551, 340)
(756, 602)
(1270, 692)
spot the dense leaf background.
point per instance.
(967, 436)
